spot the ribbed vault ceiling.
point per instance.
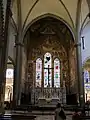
(65, 9)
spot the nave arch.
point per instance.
(47, 15)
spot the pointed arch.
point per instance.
(24, 31)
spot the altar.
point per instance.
(48, 96)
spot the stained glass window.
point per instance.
(86, 76)
(9, 73)
(47, 70)
(38, 72)
(9, 84)
(87, 85)
(56, 73)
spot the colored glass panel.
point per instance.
(56, 73)
(47, 70)
(38, 72)
(86, 76)
(9, 73)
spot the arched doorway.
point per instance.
(51, 56)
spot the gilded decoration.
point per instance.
(72, 67)
(56, 49)
(65, 72)
(49, 35)
(49, 45)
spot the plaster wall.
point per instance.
(86, 51)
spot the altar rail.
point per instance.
(48, 93)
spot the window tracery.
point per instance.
(47, 70)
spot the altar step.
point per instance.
(34, 113)
(17, 115)
(5, 117)
(31, 108)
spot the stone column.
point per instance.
(80, 75)
(17, 74)
(3, 50)
(18, 59)
(78, 56)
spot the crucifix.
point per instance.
(48, 68)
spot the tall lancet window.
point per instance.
(47, 70)
(56, 73)
(38, 72)
(87, 85)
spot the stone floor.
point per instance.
(41, 115)
(50, 117)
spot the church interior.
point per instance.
(44, 53)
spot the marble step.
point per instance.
(17, 116)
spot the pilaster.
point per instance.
(17, 74)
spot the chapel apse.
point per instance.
(53, 36)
